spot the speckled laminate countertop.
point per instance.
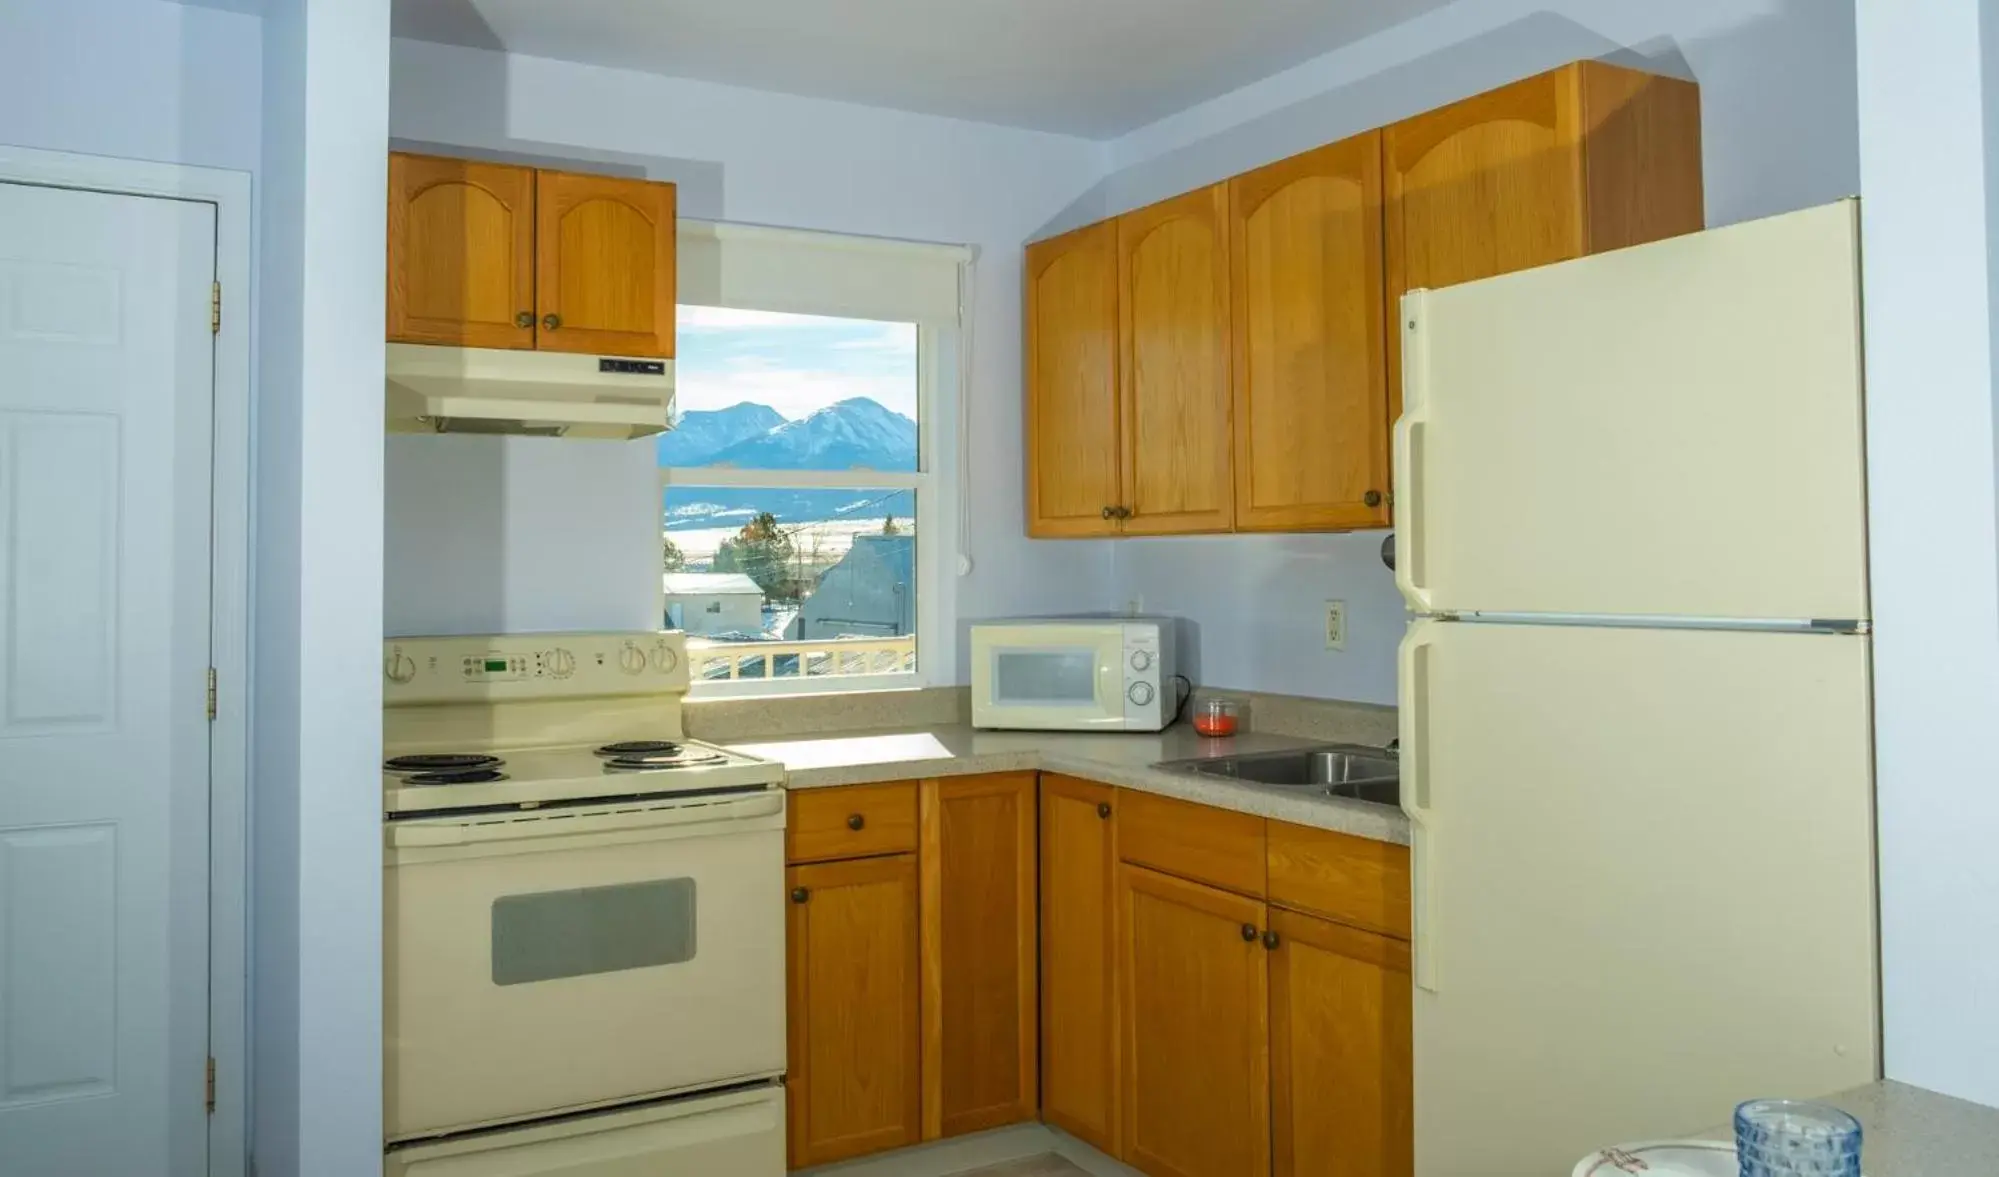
(1126, 759)
(1911, 1132)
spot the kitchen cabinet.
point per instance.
(1340, 1085)
(1079, 959)
(1581, 159)
(500, 256)
(1310, 362)
(461, 252)
(1230, 359)
(853, 1081)
(1071, 387)
(979, 1010)
(1196, 1099)
(1173, 336)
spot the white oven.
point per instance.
(1075, 674)
(566, 956)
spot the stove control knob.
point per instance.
(561, 663)
(664, 659)
(398, 667)
(1141, 693)
(631, 659)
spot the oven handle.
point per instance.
(557, 823)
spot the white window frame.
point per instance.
(932, 546)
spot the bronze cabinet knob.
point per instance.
(800, 894)
(1103, 809)
(856, 821)
(551, 321)
(1372, 498)
(524, 319)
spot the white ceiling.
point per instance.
(1096, 68)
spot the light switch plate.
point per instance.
(1336, 625)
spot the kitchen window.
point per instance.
(800, 526)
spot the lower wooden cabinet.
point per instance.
(1340, 1090)
(1079, 951)
(980, 1041)
(853, 1086)
(1196, 1059)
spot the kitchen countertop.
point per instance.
(1125, 759)
(1908, 1131)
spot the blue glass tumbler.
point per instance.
(1787, 1138)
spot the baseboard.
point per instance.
(1087, 1158)
(1016, 1142)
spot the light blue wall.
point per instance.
(1778, 101)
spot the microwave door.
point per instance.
(1059, 686)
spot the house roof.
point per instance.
(710, 584)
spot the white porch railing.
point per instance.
(833, 658)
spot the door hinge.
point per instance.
(211, 1086)
(211, 692)
(215, 308)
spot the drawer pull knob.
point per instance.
(856, 821)
(1249, 933)
(800, 894)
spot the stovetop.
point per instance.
(446, 779)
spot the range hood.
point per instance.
(526, 393)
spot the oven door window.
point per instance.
(1044, 677)
(587, 930)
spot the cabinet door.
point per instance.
(1311, 395)
(1481, 187)
(1173, 308)
(1079, 1014)
(461, 252)
(979, 1035)
(1196, 1061)
(1339, 1051)
(604, 258)
(854, 1061)
(1071, 382)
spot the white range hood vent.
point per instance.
(526, 393)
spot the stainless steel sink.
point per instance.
(1362, 774)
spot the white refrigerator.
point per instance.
(1635, 724)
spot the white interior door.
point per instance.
(1643, 866)
(106, 400)
(1670, 430)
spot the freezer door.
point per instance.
(1643, 864)
(1668, 430)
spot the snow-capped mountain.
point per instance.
(702, 433)
(856, 434)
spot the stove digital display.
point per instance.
(496, 666)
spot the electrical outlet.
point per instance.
(1135, 607)
(1336, 625)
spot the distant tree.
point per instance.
(763, 552)
(889, 527)
(676, 560)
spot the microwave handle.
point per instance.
(1110, 681)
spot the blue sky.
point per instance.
(796, 364)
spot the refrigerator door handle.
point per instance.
(1413, 689)
(1411, 565)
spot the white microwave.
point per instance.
(1075, 674)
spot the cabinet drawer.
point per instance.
(1199, 842)
(852, 822)
(1355, 881)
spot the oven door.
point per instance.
(554, 960)
(1065, 677)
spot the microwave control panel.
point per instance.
(1148, 684)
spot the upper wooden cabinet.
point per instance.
(1173, 319)
(1072, 437)
(461, 252)
(604, 258)
(1257, 343)
(980, 1042)
(1311, 399)
(1079, 1007)
(493, 255)
(1574, 161)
